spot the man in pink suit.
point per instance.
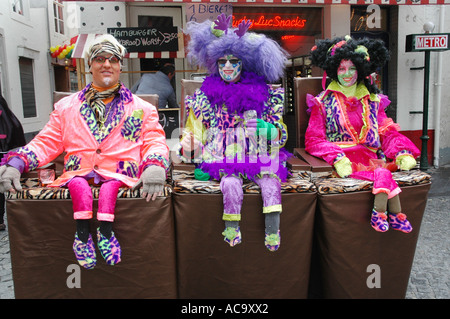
(112, 139)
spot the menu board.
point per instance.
(148, 39)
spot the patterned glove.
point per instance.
(9, 177)
(343, 167)
(152, 180)
(405, 162)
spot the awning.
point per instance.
(80, 45)
(306, 2)
(156, 55)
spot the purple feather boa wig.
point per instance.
(259, 54)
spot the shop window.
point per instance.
(294, 28)
(372, 22)
(370, 18)
(73, 81)
(17, 6)
(27, 86)
(58, 16)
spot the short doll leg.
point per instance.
(378, 220)
(397, 220)
(271, 196)
(83, 246)
(233, 195)
(107, 242)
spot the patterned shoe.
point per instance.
(85, 252)
(232, 235)
(399, 222)
(109, 248)
(379, 221)
(273, 241)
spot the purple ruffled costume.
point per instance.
(228, 152)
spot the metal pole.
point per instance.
(426, 84)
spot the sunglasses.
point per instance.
(222, 62)
(102, 59)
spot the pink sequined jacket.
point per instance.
(355, 127)
(131, 141)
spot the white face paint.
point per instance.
(230, 68)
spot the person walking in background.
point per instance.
(11, 136)
(158, 83)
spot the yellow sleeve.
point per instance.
(195, 125)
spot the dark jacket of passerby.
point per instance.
(11, 136)
(11, 131)
(158, 83)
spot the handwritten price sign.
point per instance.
(147, 39)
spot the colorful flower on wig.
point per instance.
(363, 50)
(336, 46)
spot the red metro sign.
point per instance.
(427, 42)
(274, 22)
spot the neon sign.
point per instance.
(287, 37)
(262, 22)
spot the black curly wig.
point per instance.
(367, 55)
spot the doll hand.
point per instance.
(152, 180)
(243, 27)
(266, 129)
(343, 167)
(9, 179)
(405, 162)
(189, 142)
(222, 22)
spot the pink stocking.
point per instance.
(81, 195)
(107, 200)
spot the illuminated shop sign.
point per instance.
(299, 21)
(272, 22)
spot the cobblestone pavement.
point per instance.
(6, 281)
(430, 273)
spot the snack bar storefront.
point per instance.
(296, 25)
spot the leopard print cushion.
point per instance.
(32, 190)
(183, 181)
(333, 185)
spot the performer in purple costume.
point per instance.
(234, 128)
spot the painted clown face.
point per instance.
(230, 68)
(347, 73)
